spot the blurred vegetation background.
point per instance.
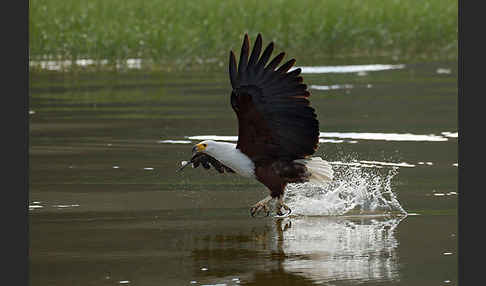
(172, 34)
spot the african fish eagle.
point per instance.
(277, 128)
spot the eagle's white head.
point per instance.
(209, 147)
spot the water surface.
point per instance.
(106, 206)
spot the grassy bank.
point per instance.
(192, 34)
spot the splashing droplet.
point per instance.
(353, 190)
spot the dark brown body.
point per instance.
(275, 175)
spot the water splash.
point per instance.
(353, 191)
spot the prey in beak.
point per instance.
(196, 155)
(201, 158)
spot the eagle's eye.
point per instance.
(205, 145)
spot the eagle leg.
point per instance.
(261, 205)
(280, 204)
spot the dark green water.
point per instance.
(108, 208)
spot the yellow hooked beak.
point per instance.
(199, 148)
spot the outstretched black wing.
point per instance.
(272, 106)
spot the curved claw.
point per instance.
(258, 208)
(253, 211)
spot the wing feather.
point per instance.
(264, 59)
(244, 59)
(285, 67)
(255, 53)
(232, 70)
(294, 73)
(274, 63)
(275, 119)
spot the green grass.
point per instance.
(196, 34)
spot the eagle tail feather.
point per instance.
(320, 170)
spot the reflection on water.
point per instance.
(443, 71)
(176, 141)
(60, 65)
(330, 87)
(325, 249)
(329, 137)
(307, 250)
(450, 134)
(350, 68)
(383, 136)
(374, 164)
(37, 205)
